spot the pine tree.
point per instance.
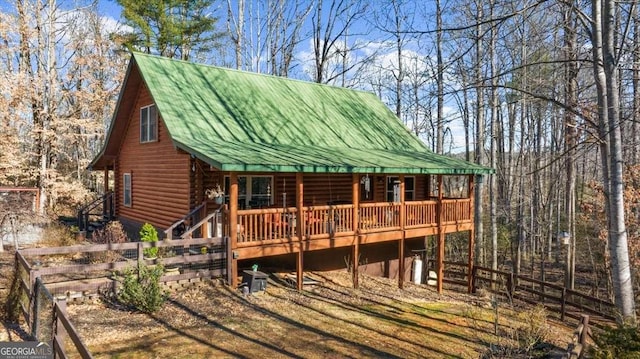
(175, 28)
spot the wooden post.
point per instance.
(233, 223)
(38, 200)
(474, 274)
(472, 234)
(440, 256)
(401, 268)
(60, 332)
(299, 229)
(563, 303)
(230, 260)
(355, 252)
(106, 179)
(510, 287)
(585, 330)
(204, 229)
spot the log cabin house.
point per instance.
(316, 176)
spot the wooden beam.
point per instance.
(233, 224)
(300, 228)
(441, 235)
(401, 268)
(355, 251)
(106, 179)
(471, 249)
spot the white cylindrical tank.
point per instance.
(417, 270)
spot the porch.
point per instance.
(294, 230)
(321, 227)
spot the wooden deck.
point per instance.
(274, 231)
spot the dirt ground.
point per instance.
(327, 320)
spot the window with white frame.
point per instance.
(148, 124)
(253, 191)
(409, 188)
(126, 189)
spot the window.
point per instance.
(148, 124)
(409, 188)
(126, 189)
(253, 191)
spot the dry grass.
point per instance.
(329, 320)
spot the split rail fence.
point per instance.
(567, 303)
(45, 278)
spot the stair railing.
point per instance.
(107, 202)
(187, 220)
(211, 222)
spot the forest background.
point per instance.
(546, 92)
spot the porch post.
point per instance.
(106, 179)
(355, 250)
(401, 241)
(440, 256)
(233, 224)
(106, 210)
(299, 229)
(472, 233)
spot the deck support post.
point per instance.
(355, 252)
(401, 267)
(441, 235)
(300, 229)
(233, 223)
(472, 233)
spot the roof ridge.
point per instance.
(251, 73)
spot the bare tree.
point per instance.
(606, 61)
(330, 35)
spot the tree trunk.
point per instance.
(479, 148)
(606, 76)
(440, 82)
(493, 197)
(571, 141)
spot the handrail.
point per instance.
(203, 221)
(85, 211)
(93, 204)
(169, 231)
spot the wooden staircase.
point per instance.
(96, 214)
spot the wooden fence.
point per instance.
(567, 303)
(45, 277)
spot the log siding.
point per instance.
(160, 174)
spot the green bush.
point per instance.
(617, 343)
(148, 233)
(141, 289)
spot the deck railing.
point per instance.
(382, 216)
(456, 210)
(421, 213)
(266, 224)
(271, 225)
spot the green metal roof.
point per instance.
(242, 121)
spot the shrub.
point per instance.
(141, 289)
(148, 233)
(620, 343)
(526, 339)
(533, 329)
(113, 232)
(59, 235)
